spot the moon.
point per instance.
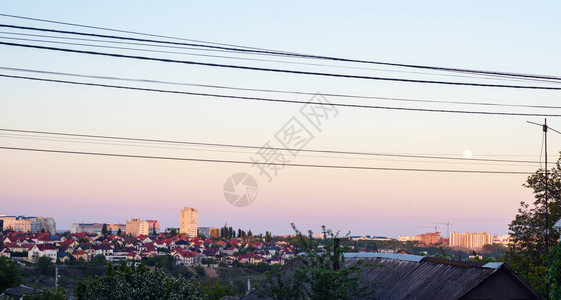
(467, 153)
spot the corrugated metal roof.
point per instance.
(404, 276)
(423, 279)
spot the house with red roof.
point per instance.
(39, 250)
(81, 254)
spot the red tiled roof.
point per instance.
(43, 247)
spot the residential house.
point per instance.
(39, 250)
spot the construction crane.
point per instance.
(435, 228)
(447, 228)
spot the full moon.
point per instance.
(467, 153)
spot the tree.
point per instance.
(130, 282)
(45, 266)
(527, 253)
(554, 272)
(316, 275)
(104, 229)
(215, 291)
(99, 260)
(10, 274)
(268, 237)
(119, 232)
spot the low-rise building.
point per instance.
(39, 250)
(209, 232)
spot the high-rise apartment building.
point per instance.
(188, 223)
(470, 240)
(29, 224)
(136, 227)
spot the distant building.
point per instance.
(501, 239)
(28, 224)
(430, 238)
(470, 240)
(188, 221)
(209, 232)
(114, 228)
(409, 238)
(86, 227)
(96, 228)
(48, 224)
(154, 227)
(370, 238)
(136, 227)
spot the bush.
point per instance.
(10, 274)
(130, 282)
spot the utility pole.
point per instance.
(546, 191)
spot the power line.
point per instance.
(126, 31)
(487, 77)
(133, 139)
(323, 156)
(253, 163)
(280, 91)
(292, 54)
(240, 67)
(282, 100)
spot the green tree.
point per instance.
(99, 260)
(10, 274)
(554, 272)
(216, 291)
(45, 266)
(268, 237)
(119, 232)
(316, 275)
(527, 253)
(104, 229)
(130, 282)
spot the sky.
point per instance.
(519, 37)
